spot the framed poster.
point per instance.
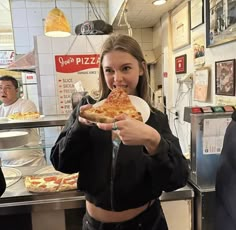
(180, 26)
(197, 10)
(220, 22)
(200, 84)
(198, 45)
(225, 77)
(181, 64)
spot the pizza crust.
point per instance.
(57, 183)
(117, 103)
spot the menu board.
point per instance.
(71, 69)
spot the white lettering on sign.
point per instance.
(87, 61)
(64, 62)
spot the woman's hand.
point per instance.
(133, 132)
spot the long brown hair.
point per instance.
(129, 45)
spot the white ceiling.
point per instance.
(140, 13)
(143, 14)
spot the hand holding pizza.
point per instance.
(133, 132)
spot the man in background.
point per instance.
(12, 104)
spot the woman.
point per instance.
(122, 177)
(225, 180)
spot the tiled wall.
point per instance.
(28, 18)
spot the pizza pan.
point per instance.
(13, 139)
(11, 175)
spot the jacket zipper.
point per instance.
(116, 145)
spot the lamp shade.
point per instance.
(56, 24)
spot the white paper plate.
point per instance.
(12, 175)
(25, 120)
(3, 119)
(139, 104)
(13, 139)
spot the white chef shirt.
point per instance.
(26, 156)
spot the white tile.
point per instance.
(46, 63)
(44, 44)
(22, 49)
(19, 18)
(79, 15)
(77, 44)
(17, 4)
(32, 4)
(93, 43)
(32, 89)
(45, 12)
(76, 3)
(63, 4)
(21, 36)
(49, 105)
(34, 17)
(60, 45)
(34, 31)
(48, 4)
(47, 86)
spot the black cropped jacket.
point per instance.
(127, 180)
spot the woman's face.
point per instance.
(121, 70)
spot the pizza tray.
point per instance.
(141, 106)
(12, 175)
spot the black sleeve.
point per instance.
(2, 183)
(71, 144)
(169, 168)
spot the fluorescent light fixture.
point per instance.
(159, 2)
(56, 24)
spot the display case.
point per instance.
(61, 210)
(32, 210)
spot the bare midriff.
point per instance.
(108, 216)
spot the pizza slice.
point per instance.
(24, 116)
(117, 103)
(56, 183)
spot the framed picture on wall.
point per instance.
(225, 77)
(220, 22)
(200, 84)
(181, 64)
(180, 23)
(197, 13)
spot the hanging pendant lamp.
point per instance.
(56, 24)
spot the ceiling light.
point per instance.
(159, 2)
(56, 24)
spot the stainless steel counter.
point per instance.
(47, 121)
(17, 199)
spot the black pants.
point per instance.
(151, 219)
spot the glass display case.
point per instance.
(36, 208)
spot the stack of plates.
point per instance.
(13, 139)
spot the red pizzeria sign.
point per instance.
(75, 63)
